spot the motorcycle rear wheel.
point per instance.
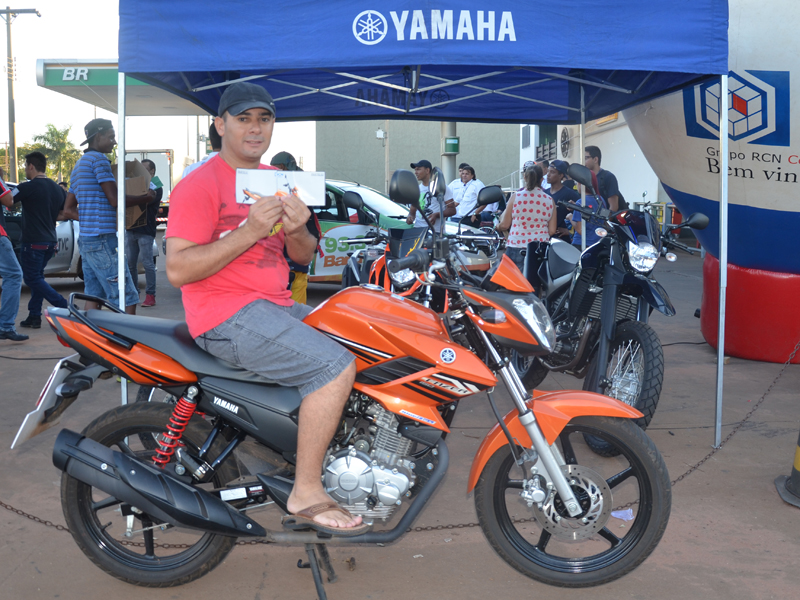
(636, 372)
(152, 557)
(638, 477)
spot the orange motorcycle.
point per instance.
(157, 494)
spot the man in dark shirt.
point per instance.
(42, 201)
(606, 181)
(556, 173)
(139, 241)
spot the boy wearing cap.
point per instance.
(228, 260)
(92, 200)
(432, 208)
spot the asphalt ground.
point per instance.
(730, 536)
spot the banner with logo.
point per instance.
(437, 59)
(679, 136)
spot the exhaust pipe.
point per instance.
(148, 488)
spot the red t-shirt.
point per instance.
(202, 208)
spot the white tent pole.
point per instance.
(581, 154)
(121, 203)
(723, 250)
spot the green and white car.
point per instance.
(340, 223)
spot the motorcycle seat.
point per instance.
(173, 339)
(562, 258)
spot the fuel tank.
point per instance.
(404, 355)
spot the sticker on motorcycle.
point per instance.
(411, 415)
(448, 355)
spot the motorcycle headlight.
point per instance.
(402, 278)
(535, 315)
(643, 256)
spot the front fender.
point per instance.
(653, 292)
(553, 410)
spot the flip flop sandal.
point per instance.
(304, 519)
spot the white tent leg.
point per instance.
(121, 204)
(581, 154)
(723, 252)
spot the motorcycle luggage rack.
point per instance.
(80, 316)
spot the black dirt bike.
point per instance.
(600, 302)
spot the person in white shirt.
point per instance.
(457, 180)
(465, 192)
(216, 145)
(432, 207)
(544, 165)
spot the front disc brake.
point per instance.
(594, 498)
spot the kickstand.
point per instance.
(325, 559)
(314, 564)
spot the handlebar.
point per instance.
(416, 261)
(670, 243)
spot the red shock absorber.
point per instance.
(181, 414)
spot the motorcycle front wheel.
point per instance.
(625, 504)
(636, 372)
(529, 369)
(137, 549)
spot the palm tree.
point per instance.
(60, 152)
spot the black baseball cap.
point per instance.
(284, 158)
(242, 96)
(560, 166)
(94, 127)
(422, 163)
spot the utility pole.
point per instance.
(9, 14)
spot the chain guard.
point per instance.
(594, 497)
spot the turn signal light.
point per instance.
(494, 316)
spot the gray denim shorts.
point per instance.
(273, 341)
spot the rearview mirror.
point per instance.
(403, 188)
(353, 200)
(582, 175)
(438, 185)
(489, 195)
(696, 221)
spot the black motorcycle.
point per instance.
(600, 302)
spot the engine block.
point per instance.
(372, 482)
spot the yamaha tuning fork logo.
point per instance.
(370, 27)
(756, 109)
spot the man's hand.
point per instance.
(263, 214)
(295, 214)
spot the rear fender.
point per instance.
(553, 410)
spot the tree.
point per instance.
(60, 152)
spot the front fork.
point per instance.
(550, 457)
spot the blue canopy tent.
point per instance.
(441, 60)
(444, 60)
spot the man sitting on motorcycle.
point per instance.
(228, 259)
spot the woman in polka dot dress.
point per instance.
(531, 217)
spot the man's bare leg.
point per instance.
(320, 415)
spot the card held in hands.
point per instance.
(308, 186)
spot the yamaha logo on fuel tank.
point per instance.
(756, 110)
(371, 27)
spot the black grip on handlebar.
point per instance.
(416, 261)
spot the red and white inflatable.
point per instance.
(679, 135)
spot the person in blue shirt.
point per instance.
(591, 224)
(92, 199)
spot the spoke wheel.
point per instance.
(636, 373)
(128, 545)
(611, 542)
